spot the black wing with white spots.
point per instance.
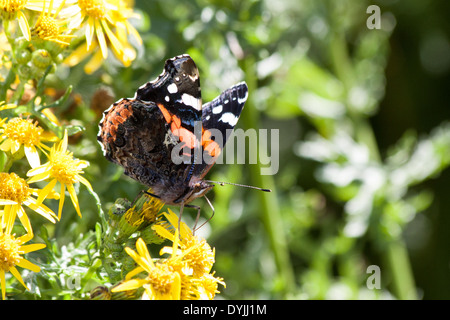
(224, 111)
(177, 88)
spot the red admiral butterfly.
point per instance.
(141, 134)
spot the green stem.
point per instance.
(396, 255)
(271, 215)
(398, 261)
(6, 84)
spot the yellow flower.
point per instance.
(24, 134)
(161, 282)
(11, 251)
(102, 18)
(14, 192)
(13, 9)
(4, 106)
(198, 251)
(190, 259)
(48, 27)
(62, 168)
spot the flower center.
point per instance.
(12, 6)
(9, 251)
(13, 187)
(23, 131)
(200, 255)
(64, 168)
(46, 27)
(93, 8)
(161, 278)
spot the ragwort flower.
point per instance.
(11, 251)
(198, 251)
(62, 168)
(185, 274)
(15, 192)
(14, 9)
(161, 282)
(49, 28)
(24, 134)
(102, 19)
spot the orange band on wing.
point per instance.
(209, 145)
(185, 135)
(165, 113)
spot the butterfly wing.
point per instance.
(219, 117)
(176, 92)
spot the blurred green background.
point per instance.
(363, 142)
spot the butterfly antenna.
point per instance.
(239, 185)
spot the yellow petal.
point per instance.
(85, 182)
(9, 215)
(25, 238)
(79, 54)
(16, 274)
(32, 247)
(173, 219)
(129, 285)
(48, 135)
(61, 200)
(162, 232)
(45, 191)
(39, 170)
(39, 176)
(132, 30)
(15, 146)
(3, 283)
(40, 209)
(142, 249)
(24, 220)
(89, 31)
(117, 46)
(23, 24)
(32, 156)
(94, 63)
(101, 39)
(76, 18)
(64, 142)
(28, 265)
(134, 272)
(4, 202)
(6, 145)
(74, 198)
(176, 287)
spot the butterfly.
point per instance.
(165, 137)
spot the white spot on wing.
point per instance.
(191, 101)
(172, 88)
(217, 109)
(243, 99)
(229, 118)
(167, 98)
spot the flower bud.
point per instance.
(23, 56)
(41, 59)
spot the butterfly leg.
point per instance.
(198, 216)
(179, 217)
(196, 219)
